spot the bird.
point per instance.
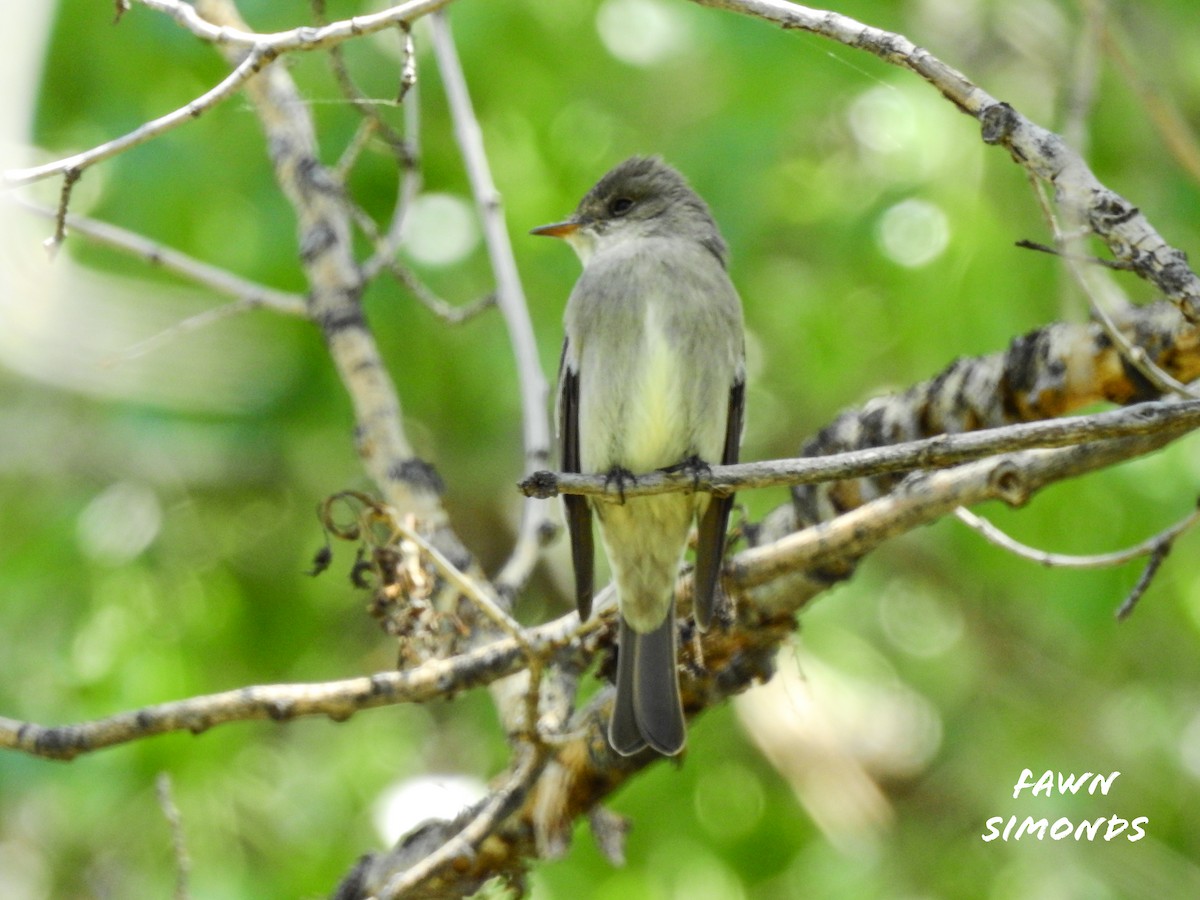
(652, 376)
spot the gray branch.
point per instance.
(931, 453)
(1087, 203)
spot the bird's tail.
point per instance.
(648, 709)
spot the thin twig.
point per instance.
(536, 519)
(410, 179)
(183, 862)
(1164, 382)
(255, 61)
(447, 312)
(372, 123)
(182, 327)
(384, 259)
(486, 603)
(304, 38)
(410, 183)
(1072, 561)
(250, 293)
(54, 242)
(263, 49)
(1116, 264)
(1143, 583)
(466, 585)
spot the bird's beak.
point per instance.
(558, 229)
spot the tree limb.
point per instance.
(337, 700)
(936, 452)
(538, 525)
(1088, 203)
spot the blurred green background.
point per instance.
(157, 512)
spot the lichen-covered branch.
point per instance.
(1048, 372)
(408, 483)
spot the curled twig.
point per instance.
(1148, 547)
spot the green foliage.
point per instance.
(155, 530)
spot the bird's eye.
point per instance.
(619, 206)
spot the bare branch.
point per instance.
(408, 483)
(72, 166)
(182, 327)
(447, 312)
(921, 499)
(1125, 610)
(1121, 225)
(929, 453)
(263, 50)
(183, 863)
(52, 243)
(1092, 260)
(248, 294)
(537, 524)
(304, 38)
(1071, 561)
(410, 178)
(770, 585)
(384, 259)
(338, 700)
(373, 123)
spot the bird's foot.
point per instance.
(621, 476)
(693, 465)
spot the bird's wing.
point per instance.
(579, 514)
(710, 547)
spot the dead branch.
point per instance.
(337, 700)
(891, 459)
(1085, 201)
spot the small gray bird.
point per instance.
(652, 376)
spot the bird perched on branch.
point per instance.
(652, 376)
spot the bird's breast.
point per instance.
(656, 434)
(633, 411)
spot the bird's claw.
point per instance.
(693, 465)
(621, 476)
